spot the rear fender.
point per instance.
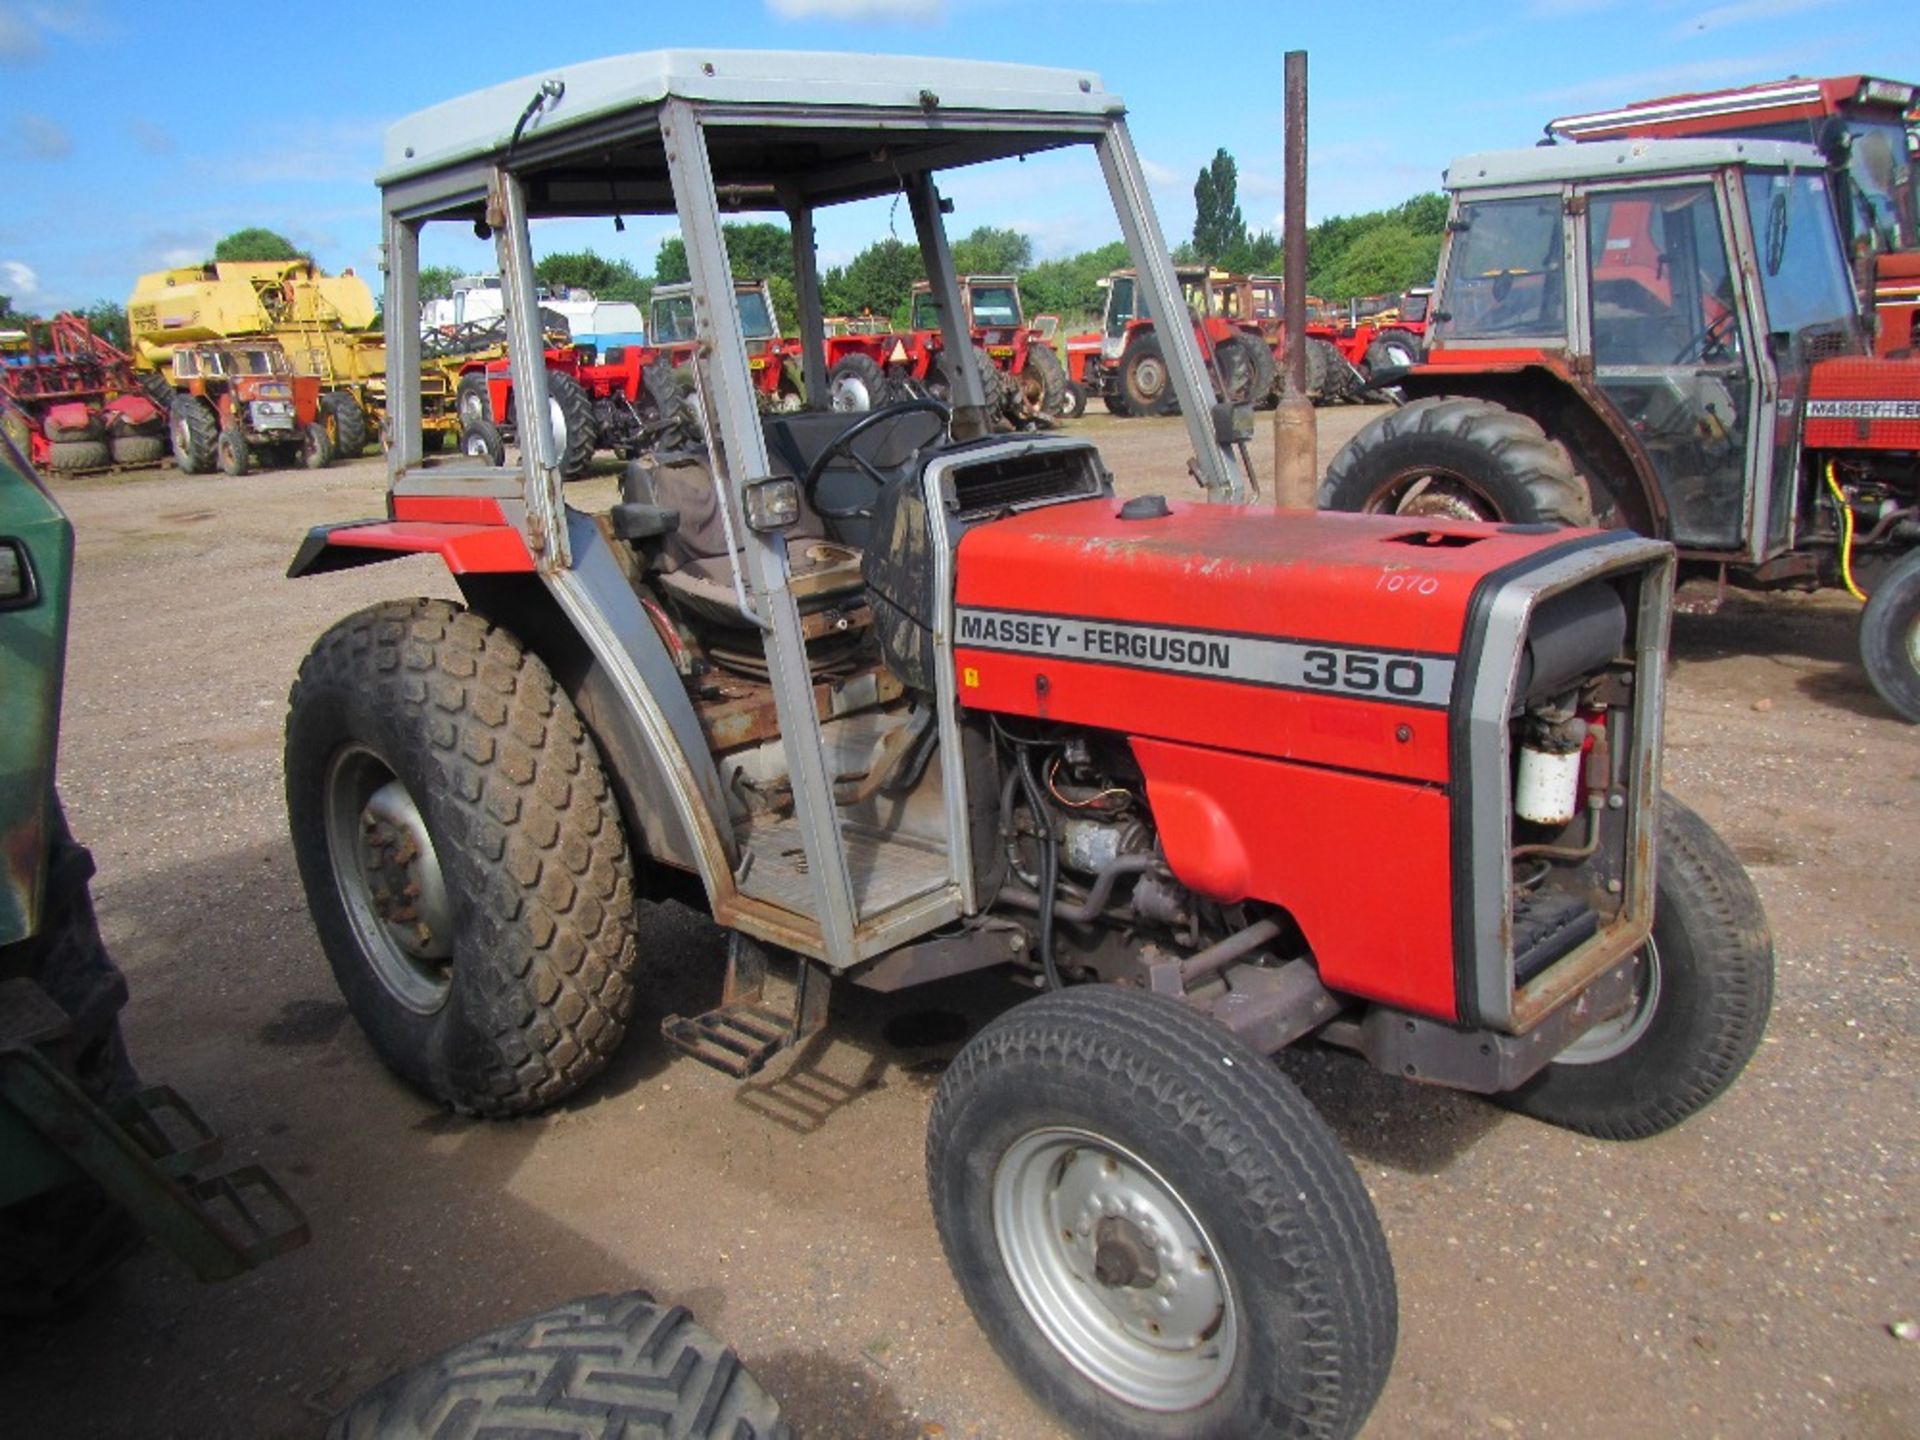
(1575, 412)
(470, 534)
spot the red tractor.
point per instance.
(233, 398)
(1125, 363)
(1858, 122)
(1663, 335)
(1020, 369)
(69, 401)
(773, 360)
(1343, 351)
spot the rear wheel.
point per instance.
(194, 429)
(78, 454)
(574, 433)
(1705, 990)
(1457, 459)
(232, 453)
(462, 857)
(609, 1364)
(1154, 1228)
(1145, 380)
(1073, 402)
(857, 384)
(472, 398)
(1890, 637)
(345, 422)
(1043, 380)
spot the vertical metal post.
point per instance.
(969, 398)
(1219, 469)
(721, 357)
(527, 364)
(1296, 457)
(806, 284)
(402, 264)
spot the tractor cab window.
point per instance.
(1882, 210)
(756, 315)
(926, 312)
(996, 306)
(672, 319)
(1413, 306)
(258, 362)
(1803, 270)
(1121, 308)
(186, 365)
(1505, 274)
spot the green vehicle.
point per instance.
(89, 1157)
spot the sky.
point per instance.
(112, 164)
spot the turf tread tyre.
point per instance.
(137, 449)
(1716, 960)
(1888, 637)
(78, 454)
(194, 431)
(346, 423)
(576, 408)
(1519, 473)
(606, 1365)
(528, 836)
(1189, 1092)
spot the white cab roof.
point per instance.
(1624, 159)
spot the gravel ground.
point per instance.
(1736, 1277)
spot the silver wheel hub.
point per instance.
(849, 393)
(1437, 498)
(1115, 1269)
(389, 879)
(1150, 377)
(559, 418)
(1618, 1034)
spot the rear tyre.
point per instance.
(609, 1364)
(78, 454)
(1043, 382)
(1890, 637)
(194, 429)
(1392, 349)
(481, 440)
(1705, 992)
(346, 424)
(463, 859)
(232, 453)
(1451, 458)
(574, 432)
(857, 384)
(1266, 369)
(156, 388)
(137, 449)
(472, 399)
(1073, 403)
(1156, 1231)
(316, 450)
(1145, 381)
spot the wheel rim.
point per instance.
(476, 444)
(1613, 1038)
(1149, 377)
(1115, 1269)
(1435, 495)
(849, 393)
(388, 876)
(1913, 642)
(182, 437)
(559, 418)
(472, 405)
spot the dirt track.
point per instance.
(1737, 1277)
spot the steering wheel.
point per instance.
(840, 442)
(1718, 331)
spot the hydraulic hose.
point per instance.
(1846, 535)
(1049, 863)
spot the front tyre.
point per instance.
(1157, 1232)
(462, 856)
(1706, 987)
(1890, 637)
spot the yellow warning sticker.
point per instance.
(970, 677)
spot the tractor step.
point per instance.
(744, 1031)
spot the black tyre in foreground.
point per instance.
(194, 429)
(1155, 1229)
(156, 388)
(857, 384)
(1454, 458)
(1705, 992)
(462, 855)
(1890, 637)
(608, 1365)
(346, 424)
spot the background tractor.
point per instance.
(1126, 366)
(1036, 381)
(901, 699)
(1857, 122)
(69, 401)
(231, 399)
(1664, 336)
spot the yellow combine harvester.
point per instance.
(321, 321)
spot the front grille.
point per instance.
(1021, 480)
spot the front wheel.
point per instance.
(1890, 637)
(232, 453)
(463, 859)
(1155, 1229)
(1456, 458)
(1705, 990)
(857, 385)
(1145, 380)
(316, 449)
(345, 422)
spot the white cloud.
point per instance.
(21, 282)
(1161, 177)
(184, 255)
(24, 28)
(899, 12)
(43, 138)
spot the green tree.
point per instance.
(436, 281)
(1070, 286)
(108, 320)
(880, 279)
(10, 318)
(1383, 259)
(255, 243)
(670, 264)
(755, 250)
(607, 279)
(1218, 226)
(988, 251)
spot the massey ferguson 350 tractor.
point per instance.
(904, 699)
(1662, 335)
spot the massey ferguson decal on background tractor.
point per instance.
(1662, 335)
(905, 699)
